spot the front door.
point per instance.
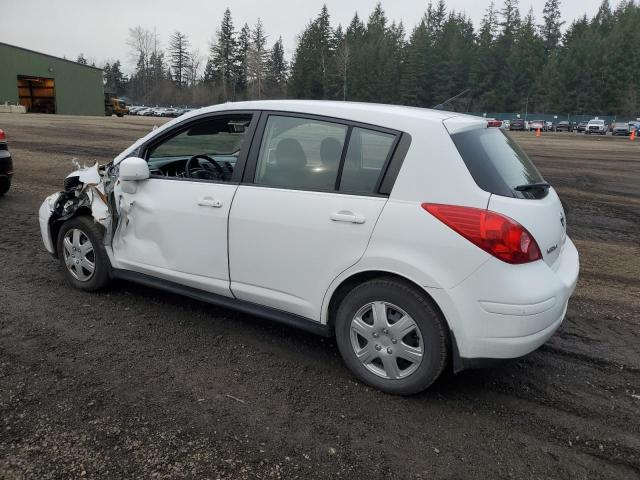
(174, 226)
(308, 212)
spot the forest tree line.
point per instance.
(510, 63)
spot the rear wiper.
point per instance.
(532, 186)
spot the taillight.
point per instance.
(2, 135)
(501, 236)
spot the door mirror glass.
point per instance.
(133, 168)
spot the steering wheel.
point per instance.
(211, 170)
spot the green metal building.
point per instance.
(47, 84)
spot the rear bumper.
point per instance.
(506, 311)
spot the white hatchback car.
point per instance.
(416, 237)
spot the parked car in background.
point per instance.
(620, 129)
(334, 217)
(506, 124)
(582, 127)
(596, 127)
(634, 126)
(6, 165)
(171, 112)
(564, 126)
(517, 124)
(537, 125)
(134, 110)
(550, 127)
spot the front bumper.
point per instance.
(44, 217)
(504, 311)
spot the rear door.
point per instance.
(306, 210)
(500, 167)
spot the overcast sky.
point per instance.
(99, 29)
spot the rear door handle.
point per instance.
(209, 202)
(346, 216)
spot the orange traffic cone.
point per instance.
(633, 135)
(537, 132)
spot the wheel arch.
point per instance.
(346, 285)
(357, 278)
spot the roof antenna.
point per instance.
(441, 106)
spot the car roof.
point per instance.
(373, 113)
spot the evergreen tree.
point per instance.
(351, 69)
(223, 67)
(313, 61)
(525, 64)
(114, 80)
(277, 70)
(550, 29)
(179, 57)
(242, 58)
(81, 60)
(484, 74)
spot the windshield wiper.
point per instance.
(532, 186)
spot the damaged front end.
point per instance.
(87, 191)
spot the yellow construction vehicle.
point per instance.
(112, 104)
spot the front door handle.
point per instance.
(347, 216)
(209, 202)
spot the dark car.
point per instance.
(582, 127)
(516, 125)
(564, 126)
(6, 165)
(621, 128)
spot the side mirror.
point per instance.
(133, 168)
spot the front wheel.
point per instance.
(82, 254)
(391, 337)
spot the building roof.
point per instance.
(47, 55)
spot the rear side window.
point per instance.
(300, 153)
(366, 156)
(496, 162)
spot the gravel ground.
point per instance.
(136, 383)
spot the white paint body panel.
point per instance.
(285, 252)
(165, 232)
(284, 249)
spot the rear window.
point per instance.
(497, 163)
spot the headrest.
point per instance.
(289, 154)
(330, 151)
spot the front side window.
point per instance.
(205, 150)
(300, 153)
(366, 156)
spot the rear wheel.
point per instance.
(391, 336)
(82, 254)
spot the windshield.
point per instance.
(497, 163)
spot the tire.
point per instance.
(386, 370)
(5, 185)
(78, 272)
